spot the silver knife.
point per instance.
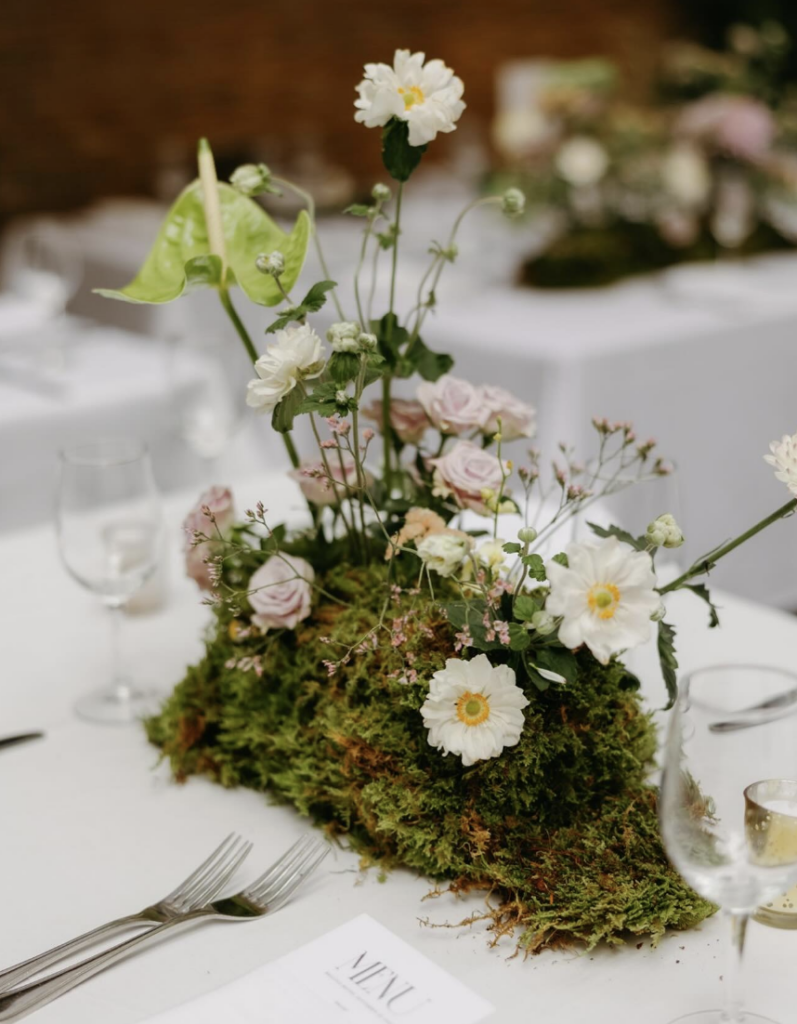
(10, 741)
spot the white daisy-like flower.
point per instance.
(474, 709)
(605, 597)
(784, 458)
(428, 96)
(296, 355)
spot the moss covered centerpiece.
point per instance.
(410, 669)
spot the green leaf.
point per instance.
(343, 367)
(284, 412)
(180, 258)
(512, 547)
(561, 559)
(430, 365)
(639, 543)
(558, 659)
(398, 156)
(358, 210)
(535, 566)
(524, 608)
(519, 638)
(311, 303)
(668, 660)
(390, 337)
(701, 590)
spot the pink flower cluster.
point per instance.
(740, 126)
(212, 515)
(456, 406)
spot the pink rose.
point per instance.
(454, 406)
(280, 592)
(465, 472)
(219, 502)
(739, 125)
(315, 486)
(407, 417)
(517, 418)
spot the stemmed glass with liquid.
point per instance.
(731, 755)
(108, 521)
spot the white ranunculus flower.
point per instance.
(454, 406)
(582, 161)
(444, 552)
(343, 336)
(491, 554)
(474, 709)
(605, 597)
(428, 96)
(517, 418)
(784, 459)
(686, 176)
(296, 355)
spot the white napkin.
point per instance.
(19, 317)
(360, 973)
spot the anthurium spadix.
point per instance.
(214, 242)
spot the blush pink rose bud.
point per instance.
(465, 473)
(407, 418)
(454, 406)
(280, 592)
(219, 503)
(517, 418)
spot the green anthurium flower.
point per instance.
(181, 258)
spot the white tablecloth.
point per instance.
(91, 827)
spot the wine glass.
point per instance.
(108, 521)
(732, 739)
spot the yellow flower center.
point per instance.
(411, 96)
(473, 708)
(603, 599)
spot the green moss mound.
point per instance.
(560, 830)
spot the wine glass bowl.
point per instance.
(732, 742)
(108, 524)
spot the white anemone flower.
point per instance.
(296, 355)
(474, 709)
(605, 597)
(784, 459)
(428, 96)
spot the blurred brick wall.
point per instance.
(96, 93)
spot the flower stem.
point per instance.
(707, 562)
(309, 202)
(386, 380)
(243, 334)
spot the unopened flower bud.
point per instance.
(665, 532)
(367, 342)
(513, 202)
(271, 263)
(527, 534)
(343, 336)
(659, 614)
(543, 622)
(341, 397)
(381, 193)
(251, 179)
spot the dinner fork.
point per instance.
(201, 885)
(265, 895)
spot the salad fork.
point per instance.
(200, 886)
(265, 895)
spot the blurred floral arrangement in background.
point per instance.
(417, 662)
(709, 167)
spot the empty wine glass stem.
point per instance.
(734, 999)
(120, 684)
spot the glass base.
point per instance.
(717, 1017)
(120, 706)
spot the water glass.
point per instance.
(108, 521)
(732, 743)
